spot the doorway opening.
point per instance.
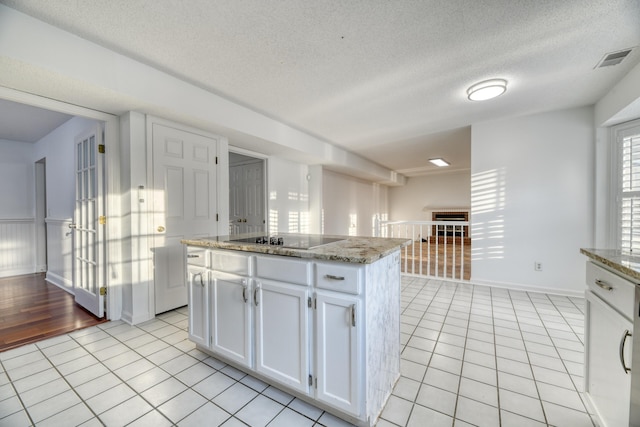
(41, 215)
(247, 194)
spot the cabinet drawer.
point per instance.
(615, 290)
(285, 270)
(231, 262)
(197, 256)
(339, 277)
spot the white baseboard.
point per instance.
(529, 288)
(127, 317)
(509, 286)
(59, 281)
(19, 271)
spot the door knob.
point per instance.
(160, 229)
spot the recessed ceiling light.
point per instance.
(487, 89)
(439, 162)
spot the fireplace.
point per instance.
(450, 230)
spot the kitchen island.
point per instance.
(317, 316)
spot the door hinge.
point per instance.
(103, 290)
(216, 160)
(217, 217)
(102, 219)
(310, 380)
(309, 304)
(101, 148)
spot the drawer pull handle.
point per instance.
(622, 343)
(604, 285)
(255, 296)
(332, 277)
(193, 256)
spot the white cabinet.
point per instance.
(337, 350)
(231, 317)
(609, 355)
(282, 333)
(608, 345)
(309, 327)
(198, 284)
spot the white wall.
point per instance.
(17, 209)
(287, 196)
(532, 184)
(416, 200)
(58, 148)
(16, 180)
(349, 205)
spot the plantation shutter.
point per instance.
(630, 193)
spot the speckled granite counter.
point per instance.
(626, 264)
(355, 250)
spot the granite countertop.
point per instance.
(617, 260)
(351, 249)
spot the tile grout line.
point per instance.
(535, 382)
(24, 408)
(562, 361)
(188, 387)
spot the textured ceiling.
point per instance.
(385, 79)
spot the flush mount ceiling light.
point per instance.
(439, 162)
(487, 89)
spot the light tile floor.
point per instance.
(471, 356)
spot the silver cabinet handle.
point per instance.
(201, 280)
(604, 285)
(332, 277)
(622, 343)
(193, 256)
(244, 291)
(255, 296)
(353, 314)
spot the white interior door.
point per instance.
(88, 228)
(184, 205)
(246, 197)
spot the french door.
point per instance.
(88, 226)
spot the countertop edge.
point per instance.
(323, 253)
(612, 261)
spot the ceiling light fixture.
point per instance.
(487, 89)
(440, 162)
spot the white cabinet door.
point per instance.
(231, 317)
(198, 305)
(282, 333)
(338, 322)
(607, 383)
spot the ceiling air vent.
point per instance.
(613, 58)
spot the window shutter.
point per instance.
(630, 194)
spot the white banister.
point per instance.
(439, 249)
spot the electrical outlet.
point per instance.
(537, 266)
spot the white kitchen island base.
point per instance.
(325, 331)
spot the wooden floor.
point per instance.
(32, 309)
